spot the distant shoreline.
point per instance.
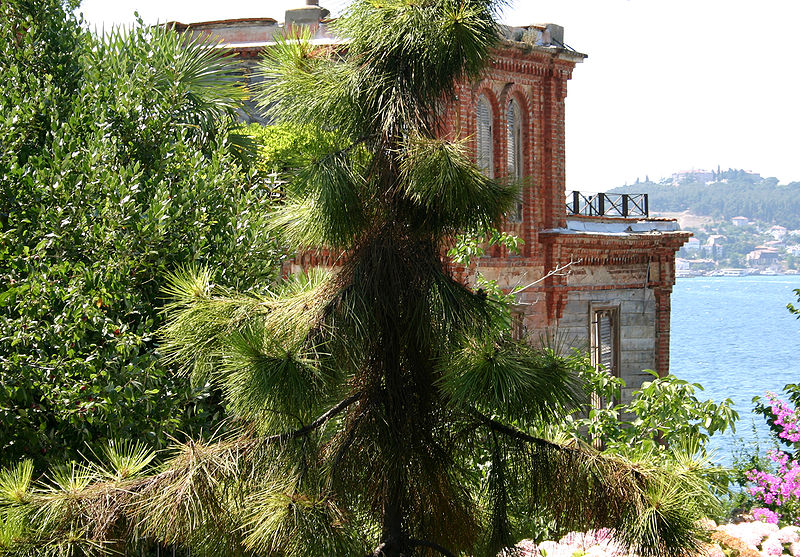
(733, 272)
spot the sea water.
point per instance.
(734, 336)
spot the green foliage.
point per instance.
(795, 311)
(384, 409)
(284, 148)
(473, 245)
(663, 425)
(509, 378)
(665, 411)
(115, 168)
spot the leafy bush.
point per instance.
(664, 411)
(116, 166)
(281, 148)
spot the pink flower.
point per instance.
(765, 515)
(772, 546)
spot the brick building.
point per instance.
(615, 267)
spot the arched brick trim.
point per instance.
(485, 90)
(520, 95)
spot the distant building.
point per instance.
(762, 257)
(714, 247)
(691, 176)
(778, 232)
(693, 245)
(740, 221)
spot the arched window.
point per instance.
(483, 133)
(514, 158)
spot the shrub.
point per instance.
(116, 166)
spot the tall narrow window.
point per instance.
(519, 331)
(485, 144)
(604, 337)
(514, 159)
(604, 350)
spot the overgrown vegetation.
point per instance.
(383, 408)
(116, 166)
(663, 412)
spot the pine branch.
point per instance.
(515, 433)
(319, 422)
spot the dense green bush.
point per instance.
(664, 411)
(116, 166)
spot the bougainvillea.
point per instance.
(786, 418)
(762, 514)
(779, 489)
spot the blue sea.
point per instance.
(735, 336)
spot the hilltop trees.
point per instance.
(735, 193)
(384, 408)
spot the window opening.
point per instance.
(519, 331)
(604, 339)
(485, 144)
(514, 158)
(604, 350)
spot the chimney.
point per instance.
(308, 16)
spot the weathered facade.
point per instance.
(593, 274)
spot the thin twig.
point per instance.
(557, 271)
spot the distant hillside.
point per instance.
(732, 193)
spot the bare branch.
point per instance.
(515, 433)
(558, 271)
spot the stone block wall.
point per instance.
(637, 332)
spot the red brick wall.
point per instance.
(538, 82)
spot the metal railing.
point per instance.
(607, 204)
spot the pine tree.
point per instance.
(384, 407)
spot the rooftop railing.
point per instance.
(622, 205)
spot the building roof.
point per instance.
(258, 32)
(618, 227)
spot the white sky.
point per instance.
(669, 85)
